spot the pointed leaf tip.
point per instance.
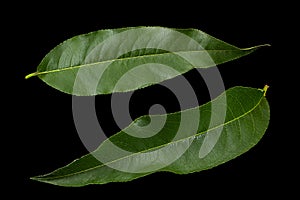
(256, 47)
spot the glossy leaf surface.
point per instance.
(126, 59)
(227, 127)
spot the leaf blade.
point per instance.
(78, 65)
(237, 137)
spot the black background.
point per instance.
(40, 135)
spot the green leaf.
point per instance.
(189, 141)
(126, 59)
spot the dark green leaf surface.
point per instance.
(245, 122)
(126, 59)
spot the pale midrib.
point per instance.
(127, 58)
(173, 142)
